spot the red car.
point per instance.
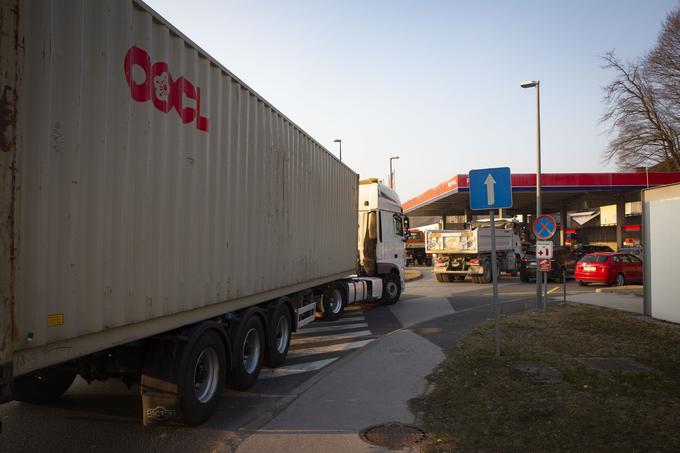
(608, 268)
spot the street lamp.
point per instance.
(391, 174)
(537, 84)
(337, 140)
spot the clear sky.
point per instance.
(434, 82)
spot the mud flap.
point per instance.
(159, 389)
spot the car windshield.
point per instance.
(595, 259)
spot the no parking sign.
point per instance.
(544, 227)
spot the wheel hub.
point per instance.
(206, 375)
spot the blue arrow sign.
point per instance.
(490, 188)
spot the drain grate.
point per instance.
(393, 435)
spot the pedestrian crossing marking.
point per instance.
(298, 368)
(341, 327)
(330, 348)
(341, 336)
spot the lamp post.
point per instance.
(337, 140)
(537, 84)
(391, 174)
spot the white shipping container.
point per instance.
(146, 186)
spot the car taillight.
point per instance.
(524, 260)
(474, 261)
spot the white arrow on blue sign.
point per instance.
(490, 188)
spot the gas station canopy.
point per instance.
(559, 191)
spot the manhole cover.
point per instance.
(394, 435)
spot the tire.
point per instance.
(44, 387)
(202, 379)
(487, 276)
(459, 278)
(332, 302)
(280, 333)
(560, 278)
(249, 349)
(391, 289)
(620, 280)
(441, 278)
(523, 277)
(582, 283)
(475, 279)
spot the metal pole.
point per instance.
(391, 178)
(538, 183)
(494, 278)
(545, 291)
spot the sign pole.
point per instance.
(545, 291)
(494, 277)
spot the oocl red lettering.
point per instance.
(164, 92)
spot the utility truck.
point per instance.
(461, 253)
(415, 248)
(160, 222)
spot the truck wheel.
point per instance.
(280, 336)
(44, 387)
(459, 278)
(333, 303)
(486, 277)
(441, 278)
(248, 354)
(201, 382)
(391, 289)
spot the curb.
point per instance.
(411, 275)
(631, 290)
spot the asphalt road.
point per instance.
(106, 416)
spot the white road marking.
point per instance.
(297, 368)
(331, 348)
(341, 336)
(339, 327)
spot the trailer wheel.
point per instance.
(201, 382)
(333, 303)
(391, 289)
(44, 387)
(280, 336)
(248, 353)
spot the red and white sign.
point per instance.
(544, 265)
(544, 249)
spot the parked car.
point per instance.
(635, 251)
(608, 268)
(583, 250)
(562, 259)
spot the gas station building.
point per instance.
(599, 208)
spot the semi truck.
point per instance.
(160, 222)
(458, 254)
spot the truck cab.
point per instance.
(381, 236)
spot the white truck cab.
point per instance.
(382, 234)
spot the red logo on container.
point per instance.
(164, 92)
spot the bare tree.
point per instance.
(643, 104)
